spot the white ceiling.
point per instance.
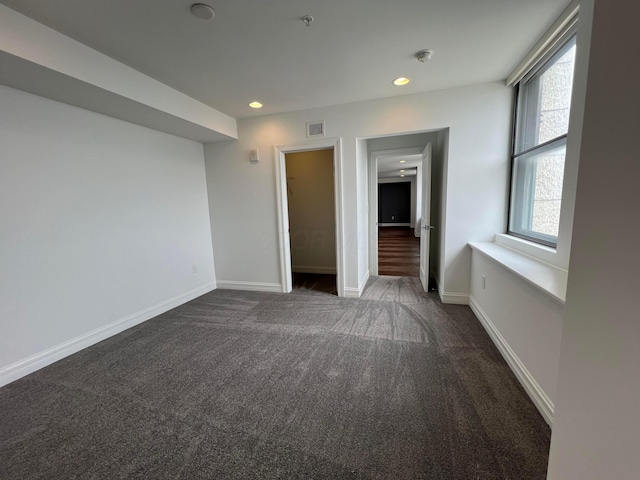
(259, 49)
(391, 166)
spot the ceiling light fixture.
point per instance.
(401, 171)
(424, 55)
(400, 81)
(307, 19)
(255, 104)
(402, 175)
(202, 11)
(402, 161)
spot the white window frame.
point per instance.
(526, 120)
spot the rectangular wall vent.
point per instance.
(315, 129)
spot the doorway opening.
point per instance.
(309, 217)
(312, 226)
(399, 247)
(399, 205)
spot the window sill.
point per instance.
(537, 251)
(548, 279)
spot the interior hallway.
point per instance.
(398, 252)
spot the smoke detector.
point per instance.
(424, 55)
(202, 11)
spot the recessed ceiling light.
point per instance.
(402, 161)
(402, 175)
(401, 81)
(401, 171)
(255, 105)
(202, 11)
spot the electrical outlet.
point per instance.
(195, 268)
(484, 282)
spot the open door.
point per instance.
(425, 219)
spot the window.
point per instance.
(542, 121)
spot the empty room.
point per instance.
(294, 239)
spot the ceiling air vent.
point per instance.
(315, 129)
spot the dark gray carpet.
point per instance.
(246, 385)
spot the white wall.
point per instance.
(312, 218)
(100, 221)
(528, 322)
(528, 325)
(362, 174)
(596, 426)
(418, 140)
(479, 118)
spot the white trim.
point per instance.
(425, 216)
(350, 292)
(363, 282)
(284, 241)
(312, 269)
(250, 286)
(373, 214)
(454, 298)
(565, 22)
(540, 399)
(396, 225)
(283, 213)
(42, 359)
(451, 298)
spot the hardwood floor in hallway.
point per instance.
(398, 252)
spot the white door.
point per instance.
(424, 223)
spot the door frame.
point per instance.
(425, 219)
(286, 276)
(373, 197)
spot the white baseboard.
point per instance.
(540, 399)
(312, 269)
(40, 360)
(350, 292)
(250, 286)
(453, 298)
